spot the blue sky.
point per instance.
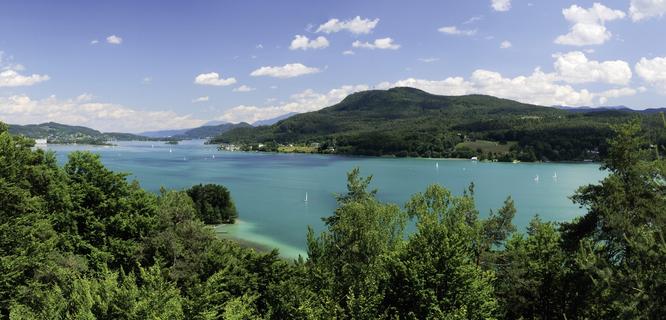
(146, 65)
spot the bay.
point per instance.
(269, 189)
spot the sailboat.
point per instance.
(306, 197)
(213, 156)
(437, 165)
(170, 150)
(554, 175)
(536, 178)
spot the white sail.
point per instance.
(306, 197)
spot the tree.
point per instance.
(531, 274)
(435, 275)
(213, 203)
(621, 240)
(345, 261)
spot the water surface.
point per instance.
(269, 189)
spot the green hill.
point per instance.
(411, 122)
(61, 133)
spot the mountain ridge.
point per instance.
(411, 122)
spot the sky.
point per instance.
(134, 66)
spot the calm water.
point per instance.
(269, 189)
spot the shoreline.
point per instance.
(242, 232)
(394, 157)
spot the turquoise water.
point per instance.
(269, 189)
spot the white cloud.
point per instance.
(147, 80)
(94, 41)
(200, 99)
(428, 60)
(574, 67)
(653, 71)
(615, 93)
(213, 79)
(455, 31)
(305, 101)
(505, 44)
(11, 78)
(450, 86)
(259, 46)
(244, 88)
(645, 9)
(355, 26)
(383, 43)
(303, 43)
(348, 53)
(114, 39)
(287, 71)
(21, 109)
(501, 5)
(588, 25)
(537, 88)
(473, 19)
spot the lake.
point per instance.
(269, 189)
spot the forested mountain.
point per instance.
(411, 122)
(62, 133)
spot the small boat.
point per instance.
(555, 175)
(474, 159)
(213, 156)
(536, 178)
(170, 150)
(306, 197)
(437, 165)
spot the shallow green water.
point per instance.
(269, 189)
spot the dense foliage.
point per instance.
(409, 122)
(80, 241)
(213, 203)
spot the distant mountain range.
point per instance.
(610, 108)
(411, 122)
(205, 131)
(210, 129)
(271, 121)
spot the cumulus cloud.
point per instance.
(575, 67)
(289, 70)
(243, 88)
(505, 44)
(200, 99)
(455, 31)
(305, 101)
(588, 25)
(539, 88)
(22, 109)
(114, 39)
(10, 73)
(645, 9)
(383, 43)
(356, 25)
(213, 79)
(11, 78)
(303, 43)
(653, 71)
(501, 5)
(348, 53)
